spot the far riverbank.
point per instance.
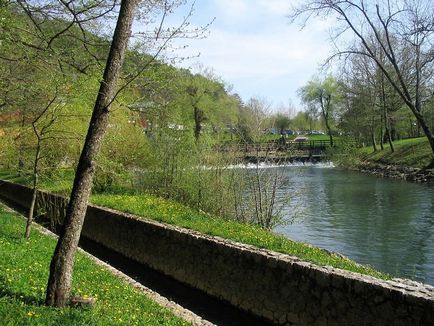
(397, 172)
(411, 160)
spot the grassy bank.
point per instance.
(174, 213)
(414, 152)
(23, 278)
(171, 212)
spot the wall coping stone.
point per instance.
(404, 286)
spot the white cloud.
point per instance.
(232, 8)
(253, 47)
(246, 55)
(274, 6)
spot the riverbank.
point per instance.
(23, 279)
(396, 172)
(411, 160)
(171, 212)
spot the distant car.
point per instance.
(316, 132)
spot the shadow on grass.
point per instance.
(15, 238)
(19, 296)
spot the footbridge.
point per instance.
(285, 151)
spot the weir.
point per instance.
(277, 288)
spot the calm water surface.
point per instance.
(388, 224)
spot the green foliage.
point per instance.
(322, 96)
(177, 168)
(125, 149)
(282, 122)
(23, 278)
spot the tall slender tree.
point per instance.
(60, 279)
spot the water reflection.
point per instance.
(388, 224)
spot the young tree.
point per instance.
(282, 122)
(252, 119)
(400, 32)
(322, 94)
(60, 279)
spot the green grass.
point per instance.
(414, 152)
(320, 137)
(174, 213)
(14, 177)
(59, 184)
(23, 278)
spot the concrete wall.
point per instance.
(277, 287)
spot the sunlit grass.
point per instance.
(414, 152)
(23, 278)
(174, 213)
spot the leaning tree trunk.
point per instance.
(427, 131)
(34, 191)
(60, 279)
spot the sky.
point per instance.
(252, 46)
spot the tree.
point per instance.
(252, 119)
(398, 36)
(60, 279)
(209, 99)
(282, 122)
(41, 134)
(322, 94)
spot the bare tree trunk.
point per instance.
(381, 133)
(386, 115)
(34, 192)
(374, 143)
(21, 162)
(330, 135)
(389, 135)
(61, 267)
(421, 123)
(325, 110)
(39, 138)
(198, 119)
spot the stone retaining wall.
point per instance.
(397, 172)
(277, 287)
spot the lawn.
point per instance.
(414, 152)
(23, 278)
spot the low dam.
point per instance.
(281, 289)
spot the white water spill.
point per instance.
(263, 165)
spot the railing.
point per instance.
(307, 145)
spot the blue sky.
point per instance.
(253, 47)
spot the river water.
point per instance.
(388, 224)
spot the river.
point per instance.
(388, 224)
